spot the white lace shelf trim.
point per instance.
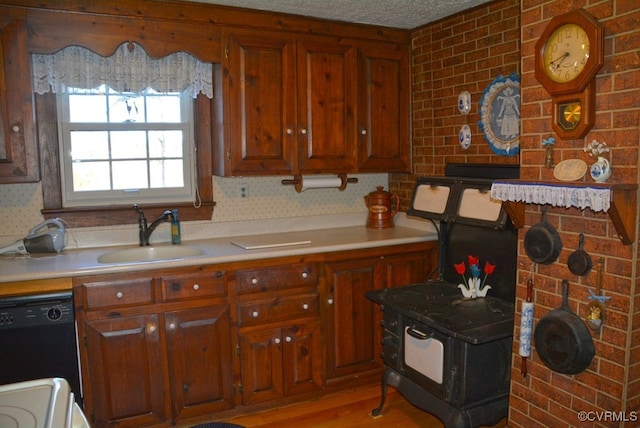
(597, 199)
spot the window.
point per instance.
(123, 147)
(155, 148)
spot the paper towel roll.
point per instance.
(526, 328)
(321, 183)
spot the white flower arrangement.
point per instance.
(595, 148)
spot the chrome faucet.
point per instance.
(146, 230)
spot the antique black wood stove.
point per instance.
(447, 352)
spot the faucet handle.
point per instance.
(139, 211)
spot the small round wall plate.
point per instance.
(464, 102)
(464, 136)
(570, 170)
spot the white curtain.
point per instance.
(129, 69)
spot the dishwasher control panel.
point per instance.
(28, 311)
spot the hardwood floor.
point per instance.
(348, 409)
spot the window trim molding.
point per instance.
(45, 105)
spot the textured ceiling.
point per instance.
(406, 14)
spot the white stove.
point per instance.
(42, 403)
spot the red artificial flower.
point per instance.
(473, 260)
(460, 268)
(489, 268)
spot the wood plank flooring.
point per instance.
(348, 409)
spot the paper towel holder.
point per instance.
(298, 182)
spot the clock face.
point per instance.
(566, 53)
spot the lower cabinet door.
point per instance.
(261, 364)
(350, 328)
(280, 361)
(127, 372)
(301, 357)
(199, 355)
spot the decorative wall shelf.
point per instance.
(619, 200)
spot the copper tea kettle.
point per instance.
(383, 207)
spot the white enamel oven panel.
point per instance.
(424, 353)
(426, 360)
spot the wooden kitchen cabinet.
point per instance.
(155, 350)
(352, 345)
(326, 106)
(127, 373)
(280, 361)
(168, 347)
(18, 147)
(383, 108)
(279, 340)
(258, 99)
(288, 105)
(199, 359)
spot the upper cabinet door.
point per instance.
(384, 109)
(259, 103)
(326, 107)
(18, 148)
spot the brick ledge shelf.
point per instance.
(622, 209)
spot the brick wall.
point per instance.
(466, 52)
(546, 398)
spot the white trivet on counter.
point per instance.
(266, 241)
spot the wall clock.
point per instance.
(569, 54)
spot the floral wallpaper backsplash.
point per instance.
(265, 198)
(20, 206)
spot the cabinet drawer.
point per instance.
(118, 293)
(181, 287)
(268, 279)
(277, 308)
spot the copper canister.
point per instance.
(383, 207)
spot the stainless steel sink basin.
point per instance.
(146, 254)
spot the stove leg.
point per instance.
(378, 410)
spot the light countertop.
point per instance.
(77, 262)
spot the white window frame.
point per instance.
(126, 196)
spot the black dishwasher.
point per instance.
(38, 339)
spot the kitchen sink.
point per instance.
(146, 254)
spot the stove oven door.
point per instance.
(426, 358)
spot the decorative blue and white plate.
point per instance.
(500, 115)
(464, 136)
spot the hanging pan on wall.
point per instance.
(579, 261)
(563, 341)
(542, 242)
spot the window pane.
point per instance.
(126, 141)
(87, 108)
(91, 176)
(165, 144)
(130, 175)
(166, 173)
(126, 108)
(129, 145)
(89, 145)
(163, 109)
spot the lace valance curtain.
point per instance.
(129, 69)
